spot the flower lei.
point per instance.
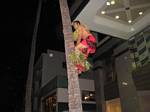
(80, 61)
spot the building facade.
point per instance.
(110, 86)
(50, 92)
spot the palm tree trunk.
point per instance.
(28, 95)
(74, 95)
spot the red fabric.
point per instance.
(90, 43)
(85, 42)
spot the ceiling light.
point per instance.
(129, 21)
(117, 17)
(132, 29)
(107, 3)
(86, 97)
(112, 2)
(124, 83)
(140, 13)
(103, 12)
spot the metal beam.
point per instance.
(77, 7)
(106, 47)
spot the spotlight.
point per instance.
(124, 83)
(117, 17)
(112, 2)
(107, 3)
(103, 12)
(140, 13)
(129, 21)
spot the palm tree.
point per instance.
(74, 95)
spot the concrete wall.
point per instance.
(127, 90)
(86, 84)
(62, 93)
(52, 65)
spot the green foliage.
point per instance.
(78, 57)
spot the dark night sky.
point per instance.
(17, 23)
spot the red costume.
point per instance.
(90, 44)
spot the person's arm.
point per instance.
(79, 36)
(78, 40)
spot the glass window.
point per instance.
(50, 104)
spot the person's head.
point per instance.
(76, 24)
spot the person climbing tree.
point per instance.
(85, 44)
